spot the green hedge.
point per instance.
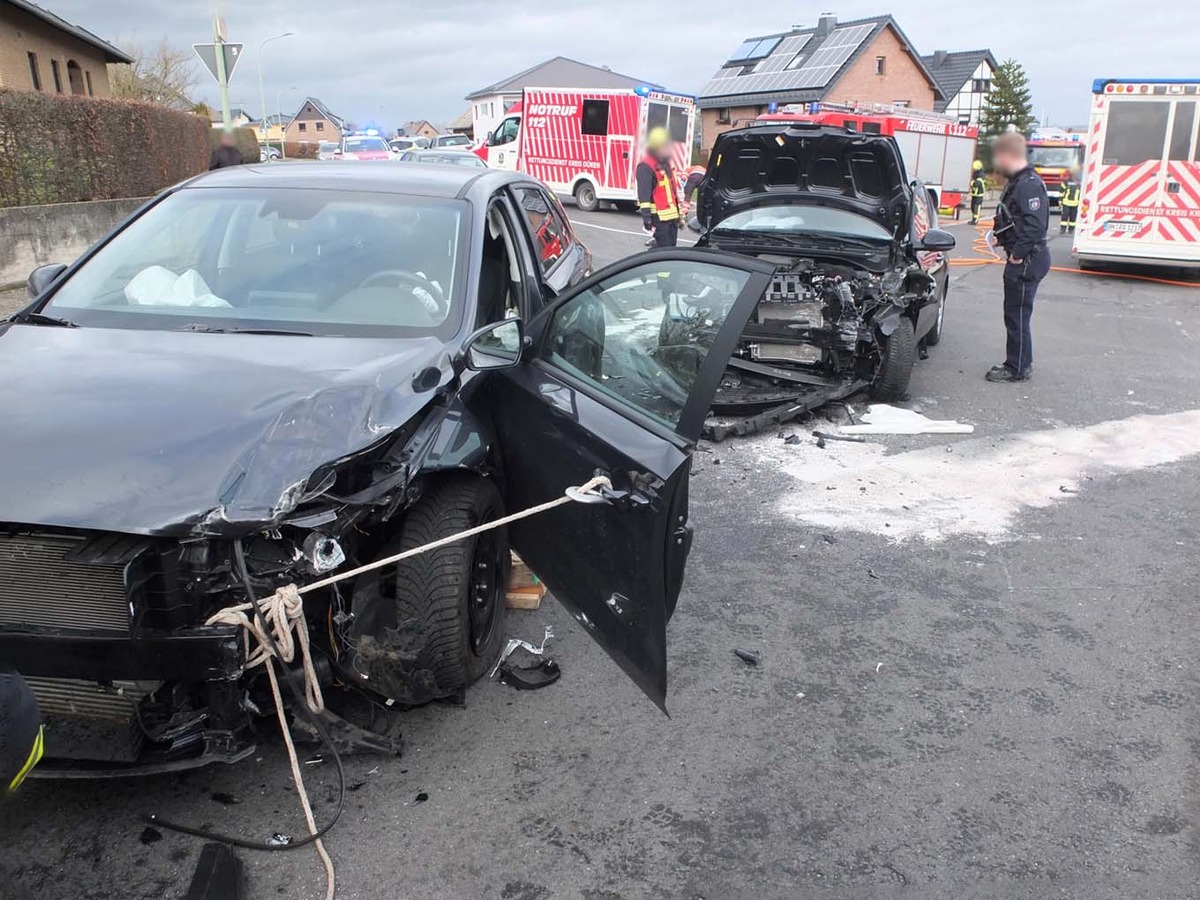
(56, 149)
(247, 142)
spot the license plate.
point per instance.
(1128, 227)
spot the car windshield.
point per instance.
(453, 140)
(805, 220)
(312, 261)
(327, 146)
(365, 144)
(1057, 157)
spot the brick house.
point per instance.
(41, 52)
(314, 123)
(419, 128)
(864, 61)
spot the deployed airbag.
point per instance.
(158, 286)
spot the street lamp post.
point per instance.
(262, 93)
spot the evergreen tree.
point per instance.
(1009, 102)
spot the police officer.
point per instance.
(1070, 203)
(1020, 228)
(978, 191)
(658, 190)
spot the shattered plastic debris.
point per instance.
(515, 643)
(530, 678)
(749, 657)
(823, 436)
(279, 839)
(421, 797)
(880, 418)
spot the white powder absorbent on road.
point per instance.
(975, 486)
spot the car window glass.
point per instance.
(549, 232)
(1181, 131)
(323, 262)
(641, 336)
(507, 132)
(500, 274)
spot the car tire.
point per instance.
(935, 333)
(585, 197)
(427, 627)
(896, 364)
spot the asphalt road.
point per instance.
(1004, 707)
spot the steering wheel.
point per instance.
(402, 277)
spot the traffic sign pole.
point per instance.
(222, 75)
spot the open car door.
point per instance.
(617, 379)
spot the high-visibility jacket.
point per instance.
(1070, 194)
(978, 186)
(657, 191)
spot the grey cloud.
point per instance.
(386, 62)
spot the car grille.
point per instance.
(88, 721)
(42, 585)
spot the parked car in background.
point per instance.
(401, 144)
(861, 275)
(268, 152)
(365, 148)
(328, 150)
(442, 141)
(444, 157)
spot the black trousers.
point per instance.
(1068, 216)
(666, 234)
(1020, 288)
(976, 208)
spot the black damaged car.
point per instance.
(861, 280)
(270, 375)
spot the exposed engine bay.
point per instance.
(819, 334)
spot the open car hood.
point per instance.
(784, 163)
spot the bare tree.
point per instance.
(160, 74)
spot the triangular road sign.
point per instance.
(208, 56)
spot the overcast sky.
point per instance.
(385, 62)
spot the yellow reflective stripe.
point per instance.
(35, 755)
(646, 204)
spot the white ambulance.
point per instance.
(587, 143)
(1141, 175)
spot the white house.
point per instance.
(489, 104)
(965, 79)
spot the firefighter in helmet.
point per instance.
(1069, 212)
(658, 190)
(978, 191)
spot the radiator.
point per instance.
(41, 585)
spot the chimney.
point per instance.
(939, 57)
(826, 24)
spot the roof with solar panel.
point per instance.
(798, 65)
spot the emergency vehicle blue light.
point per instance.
(642, 90)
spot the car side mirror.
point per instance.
(41, 277)
(936, 240)
(494, 346)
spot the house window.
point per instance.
(904, 103)
(980, 85)
(57, 75)
(303, 127)
(88, 77)
(881, 65)
(75, 78)
(33, 71)
(723, 116)
(320, 126)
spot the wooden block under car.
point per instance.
(525, 591)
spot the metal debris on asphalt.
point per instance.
(517, 643)
(530, 678)
(279, 839)
(849, 439)
(749, 657)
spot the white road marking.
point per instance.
(642, 234)
(977, 486)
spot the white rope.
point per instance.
(283, 612)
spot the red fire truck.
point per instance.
(936, 149)
(1053, 159)
(588, 143)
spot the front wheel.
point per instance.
(896, 364)
(585, 197)
(429, 626)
